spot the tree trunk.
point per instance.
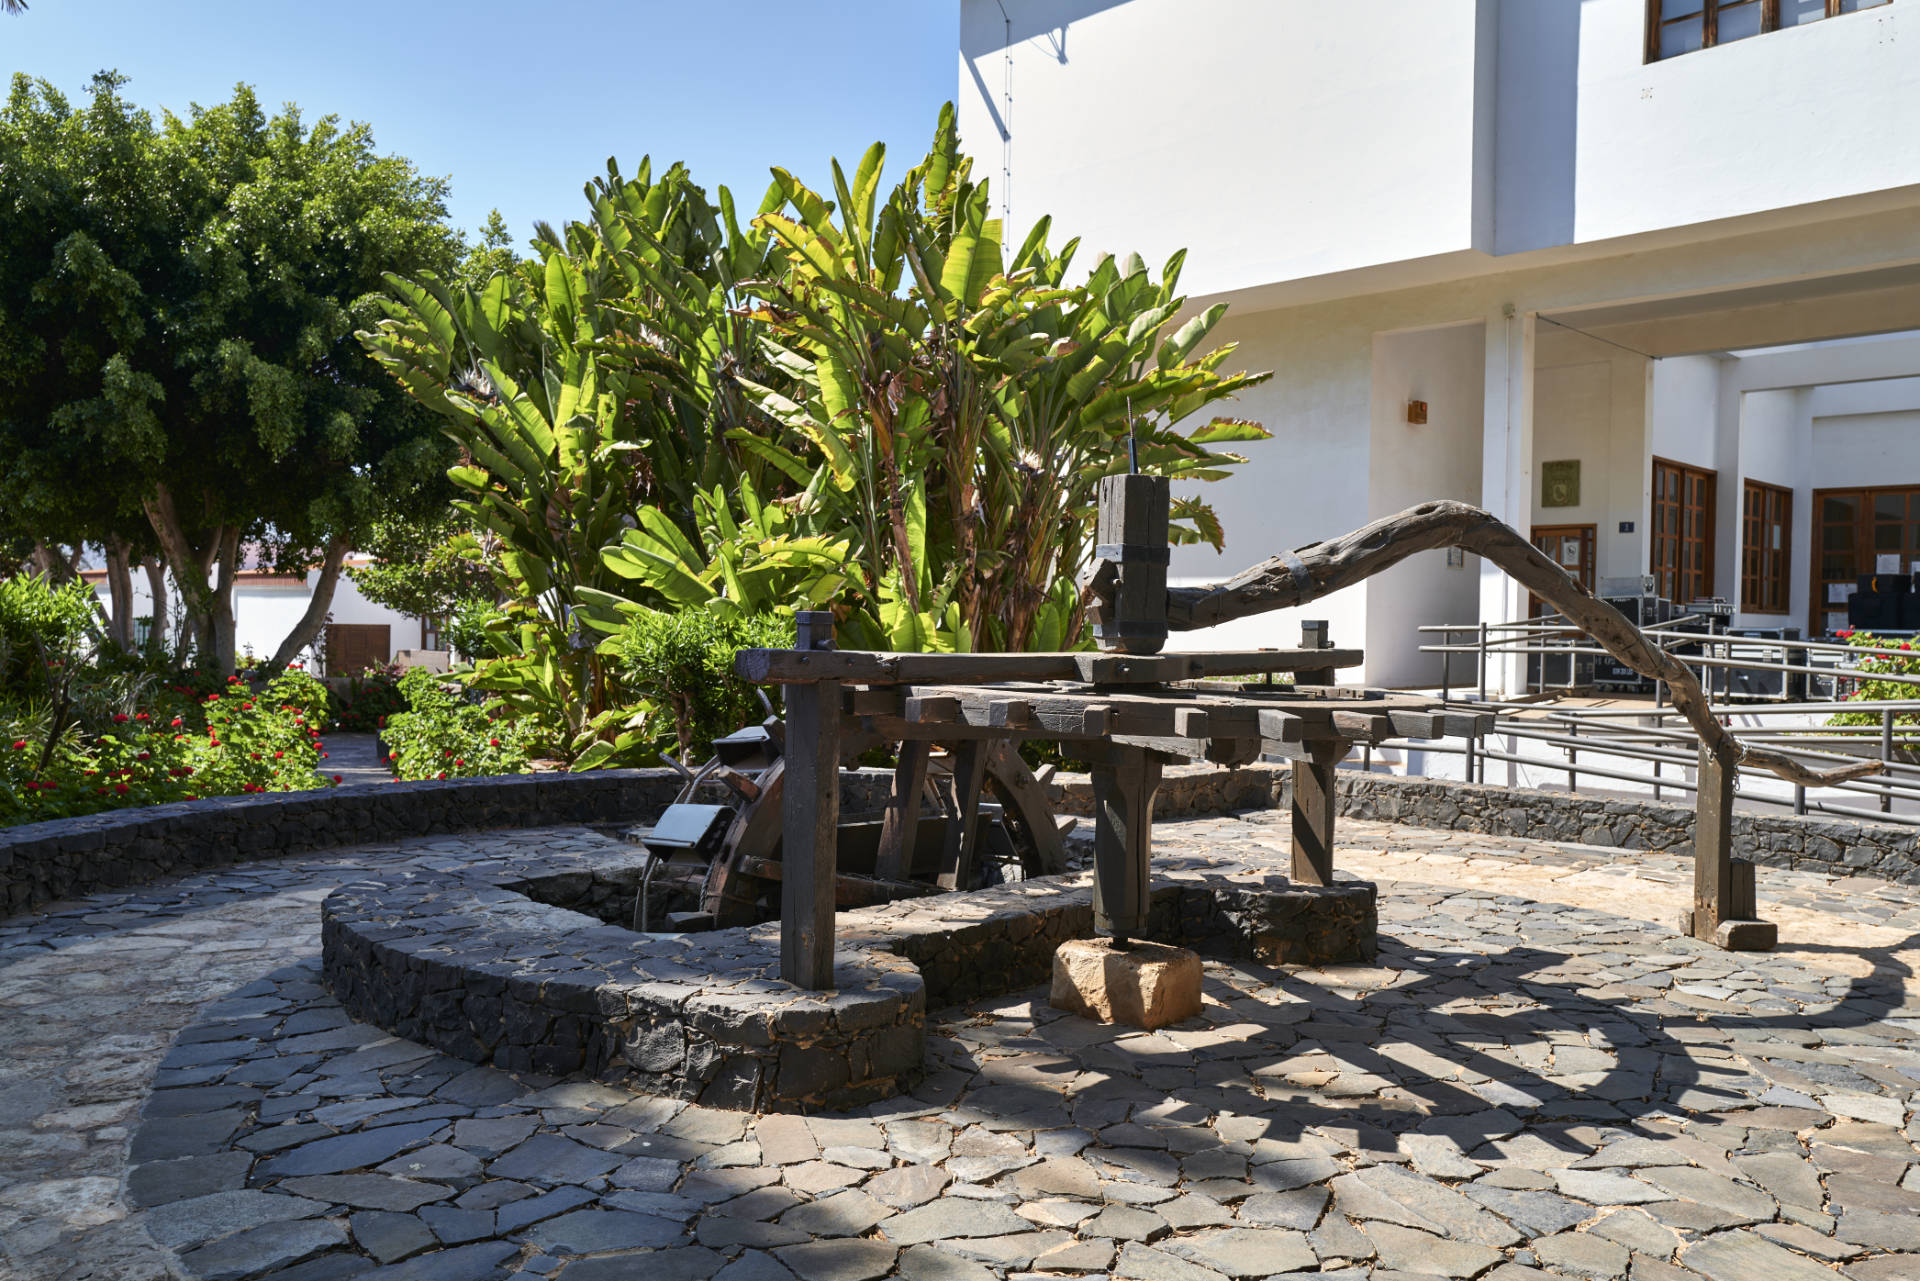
(53, 562)
(120, 592)
(156, 568)
(1316, 570)
(308, 627)
(208, 606)
(221, 609)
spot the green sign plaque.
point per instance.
(1560, 483)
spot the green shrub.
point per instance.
(443, 735)
(681, 662)
(467, 631)
(42, 624)
(1869, 689)
(177, 746)
(367, 700)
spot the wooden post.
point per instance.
(1313, 810)
(1313, 635)
(810, 814)
(1131, 535)
(1713, 848)
(900, 826)
(1125, 780)
(969, 776)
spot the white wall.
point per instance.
(1866, 449)
(1280, 140)
(1774, 121)
(1272, 139)
(1412, 463)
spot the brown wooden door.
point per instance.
(354, 647)
(1571, 548)
(1852, 529)
(1683, 511)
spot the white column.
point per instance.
(1506, 472)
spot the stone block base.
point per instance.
(1147, 985)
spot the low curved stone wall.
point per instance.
(41, 863)
(1809, 843)
(515, 963)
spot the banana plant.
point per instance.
(964, 406)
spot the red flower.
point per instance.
(141, 716)
(146, 756)
(442, 774)
(458, 761)
(121, 788)
(176, 722)
(336, 778)
(19, 744)
(246, 707)
(493, 742)
(121, 718)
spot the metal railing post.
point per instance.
(1799, 798)
(1483, 662)
(1446, 665)
(1886, 757)
(1573, 755)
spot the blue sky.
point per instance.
(520, 104)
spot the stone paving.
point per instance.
(1537, 1079)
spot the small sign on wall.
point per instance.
(1560, 483)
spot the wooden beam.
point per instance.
(1314, 806)
(1124, 782)
(969, 776)
(861, 667)
(810, 820)
(900, 825)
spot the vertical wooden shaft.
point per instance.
(1131, 530)
(1313, 806)
(1125, 780)
(810, 814)
(1713, 848)
(969, 776)
(900, 825)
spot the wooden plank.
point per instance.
(868, 667)
(932, 710)
(1009, 711)
(969, 775)
(900, 825)
(810, 821)
(1313, 815)
(1373, 727)
(883, 701)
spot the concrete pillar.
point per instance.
(1506, 471)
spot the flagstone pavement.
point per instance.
(1538, 1078)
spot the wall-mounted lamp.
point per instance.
(1416, 411)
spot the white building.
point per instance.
(1622, 234)
(266, 605)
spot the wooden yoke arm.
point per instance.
(1297, 577)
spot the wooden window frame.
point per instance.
(1863, 524)
(1765, 575)
(1710, 515)
(1709, 17)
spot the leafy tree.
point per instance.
(177, 367)
(426, 567)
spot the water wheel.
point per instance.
(974, 815)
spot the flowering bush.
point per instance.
(443, 735)
(368, 700)
(179, 745)
(1868, 689)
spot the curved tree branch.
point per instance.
(1320, 568)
